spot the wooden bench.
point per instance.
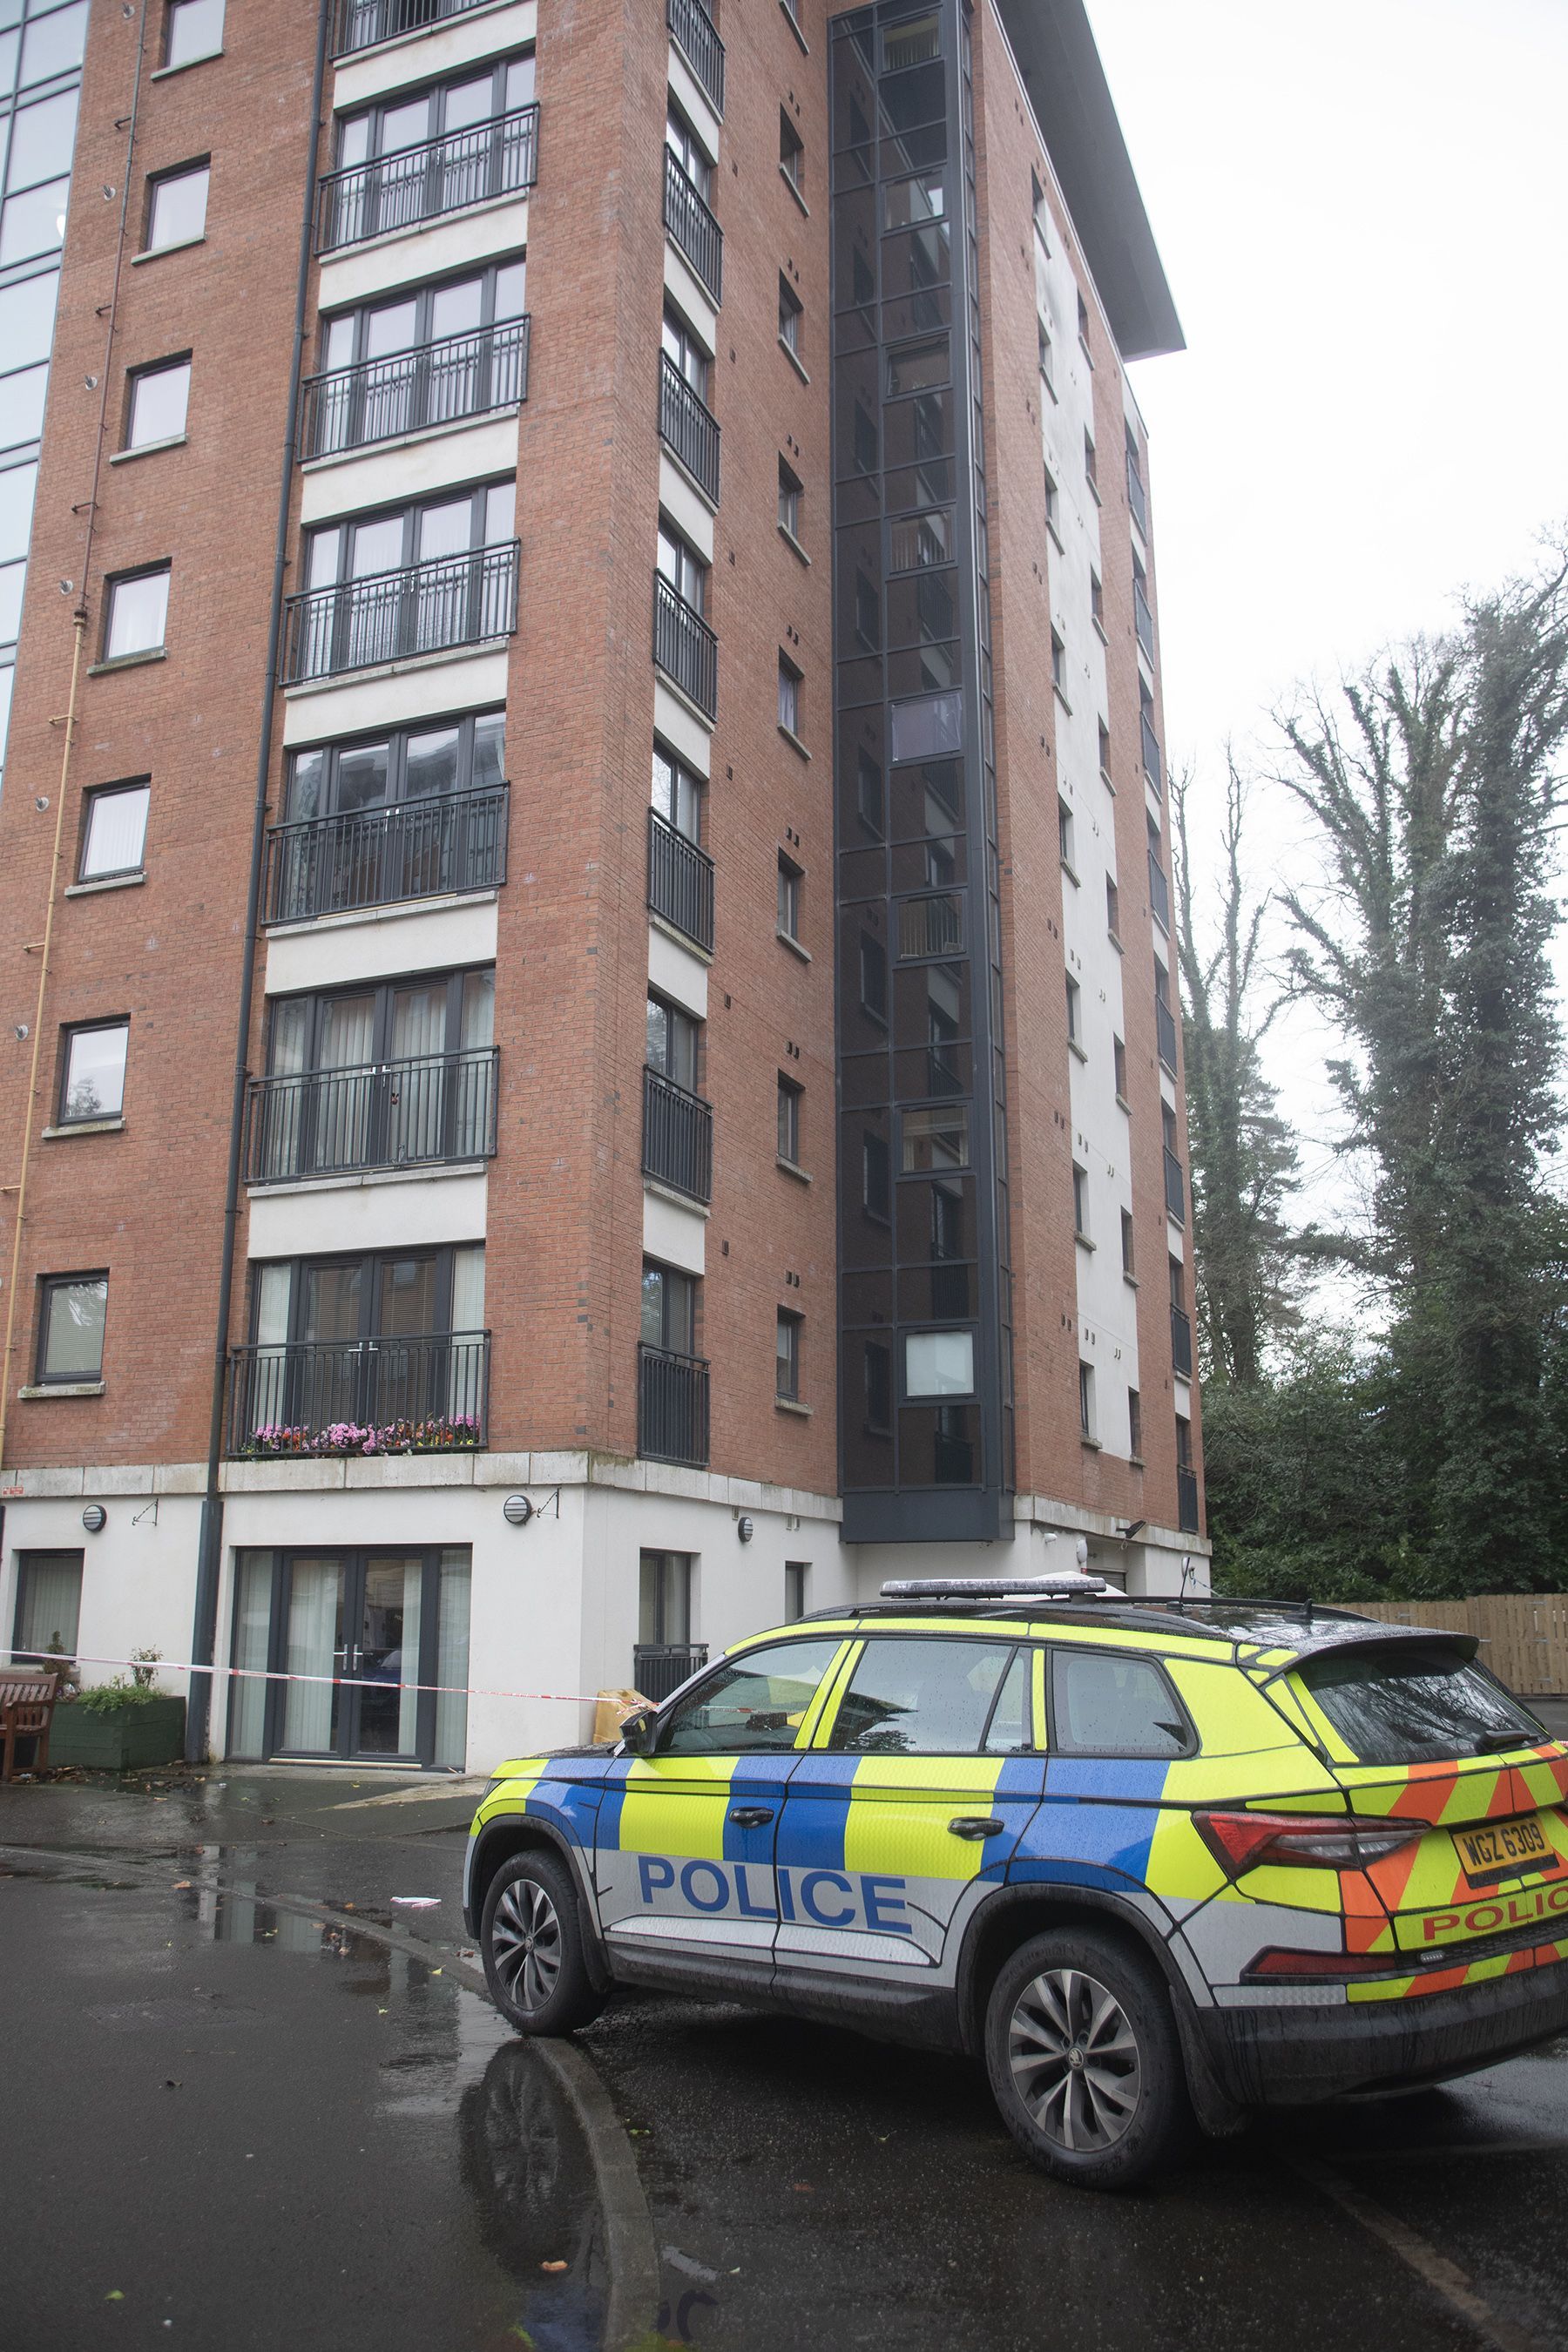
(27, 1696)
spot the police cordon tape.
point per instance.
(338, 1682)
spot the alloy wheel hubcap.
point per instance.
(525, 1944)
(1075, 2060)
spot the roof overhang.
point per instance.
(1057, 55)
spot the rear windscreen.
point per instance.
(1421, 1702)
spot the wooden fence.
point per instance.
(1524, 1635)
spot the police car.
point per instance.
(1148, 1859)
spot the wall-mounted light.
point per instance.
(745, 1529)
(95, 1519)
(517, 1510)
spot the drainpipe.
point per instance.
(209, 1552)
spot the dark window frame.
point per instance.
(1015, 1647)
(370, 1263)
(156, 180)
(423, 296)
(670, 1279)
(48, 1286)
(89, 798)
(438, 89)
(134, 378)
(384, 992)
(790, 1092)
(69, 1031)
(786, 1360)
(409, 512)
(113, 582)
(397, 740)
(1180, 1711)
(25, 1556)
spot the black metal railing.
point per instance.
(684, 646)
(461, 375)
(1159, 893)
(697, 36)
(499, 158)
(426, 1393)
(660, 1667)
(677, 1136)
(1142, 619)
(417, 1113)
(362, 24)
(672, 1407)
(1165, 1035)
(1176, 1188)
(688, 427)
(423, 608)
(679, 881)
(1181, 1342)
(1187, 1501)
(1137, 497)
(376, 856)
(692, 228)
(1152, 767)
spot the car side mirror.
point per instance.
(637, 1730)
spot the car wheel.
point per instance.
(531, 1943)
(1084, 2061)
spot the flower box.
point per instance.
(118, 1739)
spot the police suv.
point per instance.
(1149, 1859)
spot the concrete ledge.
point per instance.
(37, 1392)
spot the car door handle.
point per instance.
(976, 1826)
(751, 1817)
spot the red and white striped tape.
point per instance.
(338, 1682)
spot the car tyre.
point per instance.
(1084, 2060)
(530, 1939)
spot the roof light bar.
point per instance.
(995, 1587)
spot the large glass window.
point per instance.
(114, 832)
(397, 123)
(177, 208)
(683, 568)
(456, 523)
(682, 141)
(70, 1327)
(1106, 1703)
(668, 1309)
(454, 755)
(915, 1695)
(757, 1702)
(425, 314)
(677, 793)
(664, 1599)
(48, 1606)
(53, 44)
(1415, 1703)
(673, 1037)
(92, 1072)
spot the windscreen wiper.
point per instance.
(1491, 1743)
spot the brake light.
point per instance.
(1241, 1842)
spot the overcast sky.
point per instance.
(1361, 209)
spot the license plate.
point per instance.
(1501, 1848)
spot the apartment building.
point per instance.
(589, 1055)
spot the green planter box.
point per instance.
(122, 1741)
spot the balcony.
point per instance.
(424, 608)
(1159, 893)
(438, 1110)
(1186, 1500)
(1181, 1342)
(680, 882)
(378, 857)
(425, 1393)
(1137, 497)
(1165, 1035)
(499, 158)
(692, 229)
(677, 1137)
(672, 1407)
(1152, 767)
(685, 647)
(689, 429)
(660, 1667)
(1176, 1188)
(697, 38)
(461, 375)
(1142, 619)
(364, 24)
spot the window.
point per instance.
(876, 1177)
(1112, 910)
(414, 764)
(1105, 750)
(48, 1606)
(1134, 1426)
(410, 321)
(936, 1138)
(664, 1599)
(177, 207)
(1058, 664)
(669, 1308)
(419, 1020)
(70, 1328)
(789, 1121)
(938, 1364)
(156, 411)
(92, 1072)
(873, 978)
(797, 1575)
(398, 124)
(920, 1696)
(789, 500)
(1184, 1442)
(682, 141)
(53, 43)
(1074, 1011)
(192, 29)
(1090, 463)
(869, 799)
(789, 697)
(1080, 1203)
(789, 318)
(1064, 833)
(114, 832)
(677, 794)
(878, 1388)
(792, 155)
(1083, 323)
(1040, 210)
(790, 879)
(1053, 504)
(1096, 602)
(138, 608)
(456, 523)
(685, 353)
(786, 1354)
(1086, 1402)
(1129, 1249)
(1103, 1703)
(1046, 357)
(1422, 1703)
(755, 1702)
(1119, 1062)
(673, 1037)
(681, 564)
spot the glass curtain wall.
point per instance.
(41, 48)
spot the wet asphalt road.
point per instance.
(238, 2117)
